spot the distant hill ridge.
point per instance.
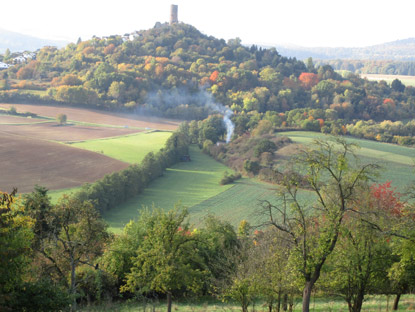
(17, 42)
(399, 50)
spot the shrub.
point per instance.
(61, 119)
(40, 295)
(251, 166)
(263, 146)
(206, 146)
(230, 178)
(12, 110)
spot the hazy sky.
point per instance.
(331, 23)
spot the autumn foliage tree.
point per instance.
(308, 80)
(314, 226)
(214, 76)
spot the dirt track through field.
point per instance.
(97, 116)
(26, 162)
(8, 119)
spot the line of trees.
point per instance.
(115, 188)
(372, 67)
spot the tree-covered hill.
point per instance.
(20, 42)
(399, 50)
(176, 71)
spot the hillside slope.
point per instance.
(17, 42)
(402, 50)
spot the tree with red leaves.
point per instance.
(214, 76)
(308, 80)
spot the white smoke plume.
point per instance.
(227, 113)
(223, 110)
(183, 98)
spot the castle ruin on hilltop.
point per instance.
(173, 14)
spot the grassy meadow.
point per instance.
(406, 80)
(130, 148)
(241, 201)
(371, 304)
(396, 161)
(196, 185)
(188, 183)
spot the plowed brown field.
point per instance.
(30, 153)
(67, 133)
(26, 162)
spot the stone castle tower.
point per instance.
(173, 14)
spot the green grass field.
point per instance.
(56, 194)
(396, 161)
(372, 303)
(130, 148)
(406, 80)
(189, 183)
(240, 202)
(196, 184)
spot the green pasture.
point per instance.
(189, 183)
(56, 194)
(129, 148)
(240, 202)
(406, 80)
(243, 201)
(396, 161)
(372, 303)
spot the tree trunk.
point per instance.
(396, 302)
(279, 302)
(285, 302)
(349, 304)
(357, 306)
(73, 285)
(169, 301)
(307, 296)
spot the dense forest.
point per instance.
(175, 71)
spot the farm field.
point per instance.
(130, 148)
(18, 120)
(97, 117)
(32, 152)
(189, 183)
(25, 162)
(406, 80)
(396, 161)
(51, 131)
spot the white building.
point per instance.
(4, 65)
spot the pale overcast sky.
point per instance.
(331, 23)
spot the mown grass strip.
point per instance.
(188, 183)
